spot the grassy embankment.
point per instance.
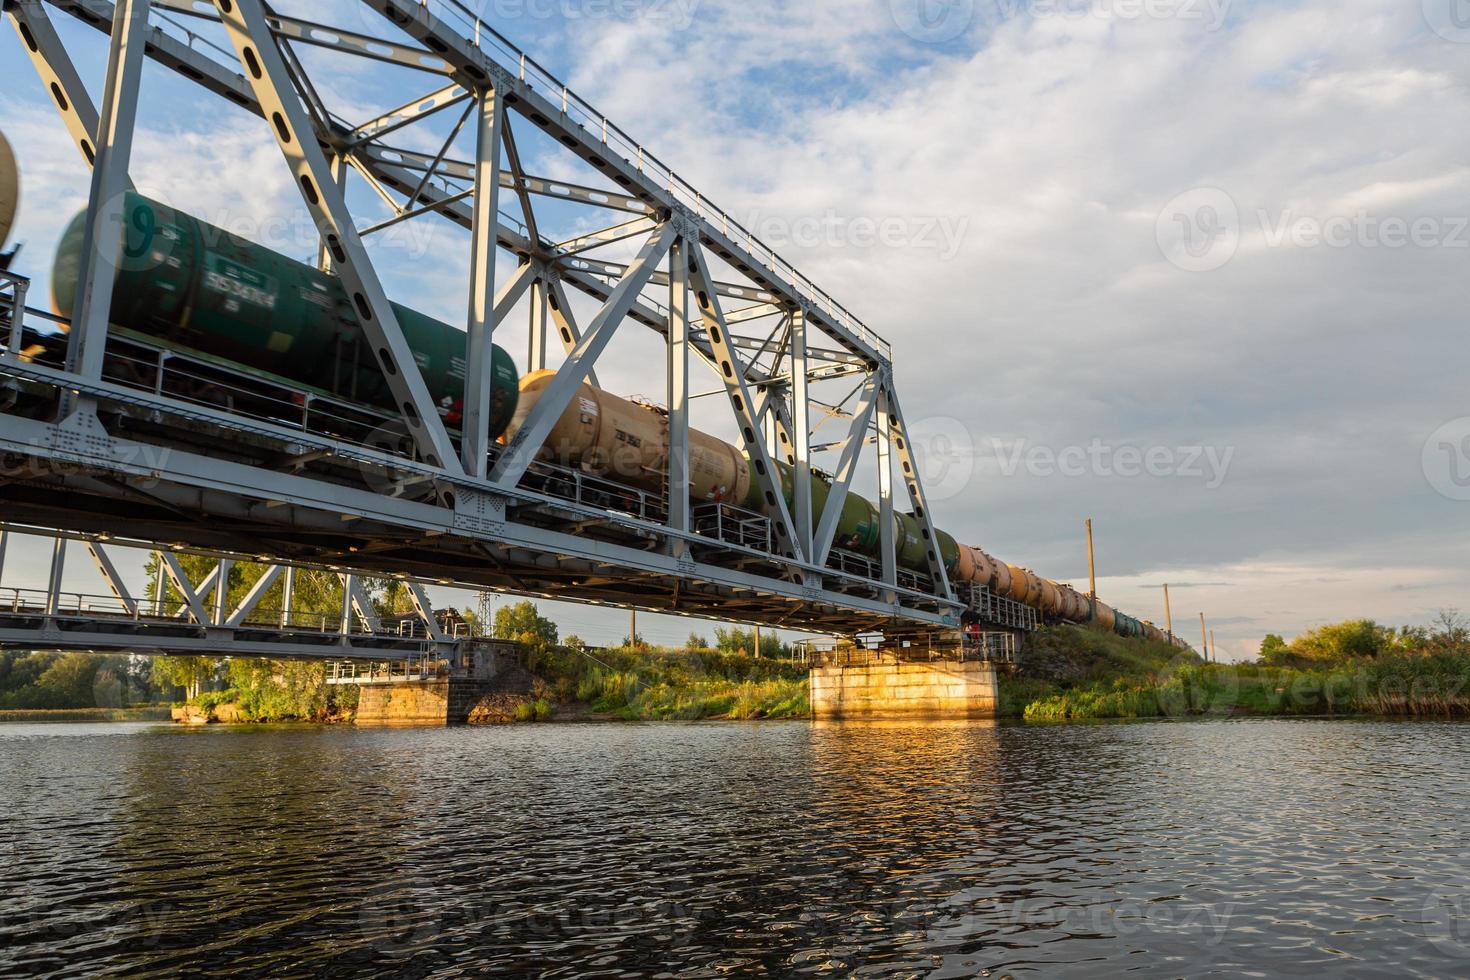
(1073, 674)
(631, 685)
(664, 685)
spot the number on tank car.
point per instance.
(238, 291)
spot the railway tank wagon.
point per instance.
(197, 287)
(9, 189)
(194, 287)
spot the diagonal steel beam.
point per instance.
(566, 321)
(903, 450)
(114, 581)
(407, 114)
(54, 66)
(518, 181)
(857, 437)
(192, 602)
(425, 609)
(361, 603)
(524, 445)
(252, 598)
(269, 78)
(732, 373)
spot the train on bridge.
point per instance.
(263, 332)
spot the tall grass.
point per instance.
(685, 685)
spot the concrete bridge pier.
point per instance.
(889, 685)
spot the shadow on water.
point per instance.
(944, 849)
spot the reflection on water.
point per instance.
(961, 849)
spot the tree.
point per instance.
(189, 673)
(697, 642)
(735, 640)
(1352, 640)
(524, 623)
(1274, 649)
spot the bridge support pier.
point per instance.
(447, 696)
(885, 687)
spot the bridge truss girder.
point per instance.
(184, 617)
(469, 512)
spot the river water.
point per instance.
(1306, 848)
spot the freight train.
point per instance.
(198, 289)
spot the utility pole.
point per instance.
(1091, 564)
(632, 629)
(1204, 637)
(1168, 613)
(757, 639)
(1212, 645)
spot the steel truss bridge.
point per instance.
(91, 449)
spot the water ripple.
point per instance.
(1264, 848)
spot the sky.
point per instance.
(1191, 268)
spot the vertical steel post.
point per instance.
(1204, 637)
(288, 595)
(53, 582)
(1168, 613)
(222, 590)
(103, 239)
(632, 629)
(540, 323)
(346, 622)
(1091, 564)
(888, 545)
(678, 389)
(159, 588)
(1213, 647)
(801, 432)
(757, 639)
(479, 349)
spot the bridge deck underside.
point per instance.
(140, 473)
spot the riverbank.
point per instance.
(568, 684)
(1073, 675)
(141, 713)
